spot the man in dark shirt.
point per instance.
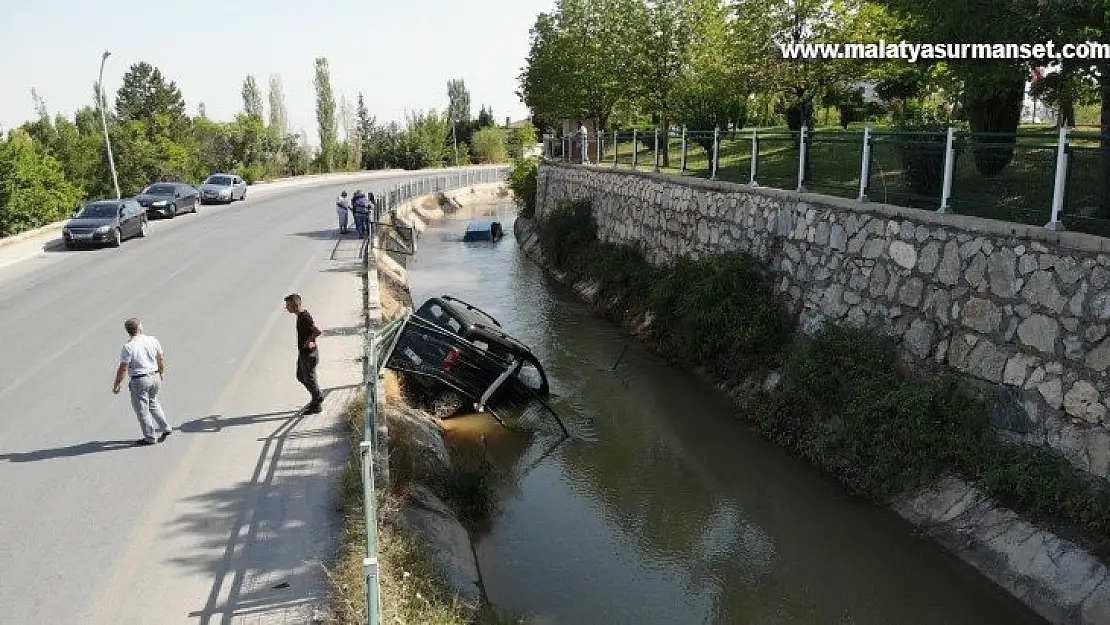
(307, 354)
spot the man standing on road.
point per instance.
(307, 354)
(360, 206)
(142, 357)
(342, 207)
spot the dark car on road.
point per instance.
(105, 222)
(167, 199)
(223, 188)
(454, 354)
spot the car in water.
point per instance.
(105, 222)
(224, 188)
(168, 199)
(484, 231)
(455, 356)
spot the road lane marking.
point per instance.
(138, 551)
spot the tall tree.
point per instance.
(458, 98)
(325, 114)
(485, 118)
(365, 125)
(146, 93)
(252, 98)
(279, 116)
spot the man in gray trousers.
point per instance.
(143, 360)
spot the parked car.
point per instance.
(105, 222)
(453, 353)
(223, 188)
(167, 199)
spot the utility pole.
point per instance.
(104, 122)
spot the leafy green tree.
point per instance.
(458, 109)
(325, 115)
(33, 188)
(490, 145)
(146, 94)
(252, 98)
(520, 138)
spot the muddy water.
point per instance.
(662, 507)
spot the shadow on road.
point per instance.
(82, 449)
(319, 235)
(261, 539)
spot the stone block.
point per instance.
(903, 254)
(1001, 270)
(981, 315)
(1039, 332)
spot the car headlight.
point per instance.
(159, 203)
(103, 229)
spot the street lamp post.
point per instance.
(104, 122)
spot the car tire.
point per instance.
(447, 404)
(70, 245)
(117, 238)
(173, 211)
(142, 227)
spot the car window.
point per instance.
(99, 210)
(222, 181)
(159, 189)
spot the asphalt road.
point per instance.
(91, 528)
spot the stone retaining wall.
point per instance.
(1021, 307)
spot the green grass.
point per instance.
(845, 402)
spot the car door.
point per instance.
(194, 196)
(131, 223)
(184, 200)
(241, 187)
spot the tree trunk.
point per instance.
(665, 148)
(998, 113)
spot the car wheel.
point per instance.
(447, 404)
(173, 211)
(70, 245)
(117, 238)
(142, 227)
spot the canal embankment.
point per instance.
(434, 491)
(873, 342)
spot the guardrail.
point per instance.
(373, 450)
(1054, 179)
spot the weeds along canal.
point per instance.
(662, 507)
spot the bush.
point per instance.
(33, 189)
(490, 145)
(522, 182)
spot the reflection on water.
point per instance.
(663, 507)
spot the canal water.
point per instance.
(662, 507)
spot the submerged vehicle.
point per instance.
(457, 357)
(484, 231)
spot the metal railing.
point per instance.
(1056, 179)
(373, 452)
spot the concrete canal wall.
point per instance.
(1020, 307)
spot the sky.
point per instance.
(398, 53)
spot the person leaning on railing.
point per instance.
(360, 205)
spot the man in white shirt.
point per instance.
(342, 207)
(142, 359)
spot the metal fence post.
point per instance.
(635, 148)
(949, 168)
(600, 146)
(616, 148)
(682, 167)
(1060, 185)
(865, 165)
(802, 141)
(754, 166)
(657, 149)
(716, 152)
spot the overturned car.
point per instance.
(456, 357)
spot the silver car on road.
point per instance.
(223, 188)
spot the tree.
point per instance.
(325, 114)
(426, 140)
(522, 137)
(579, 60)
(489, 145)
(458, 97)
(365, 125)
(279, 117)
(33, 188)
(252, 98)
(146, 94)
(485, 119)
